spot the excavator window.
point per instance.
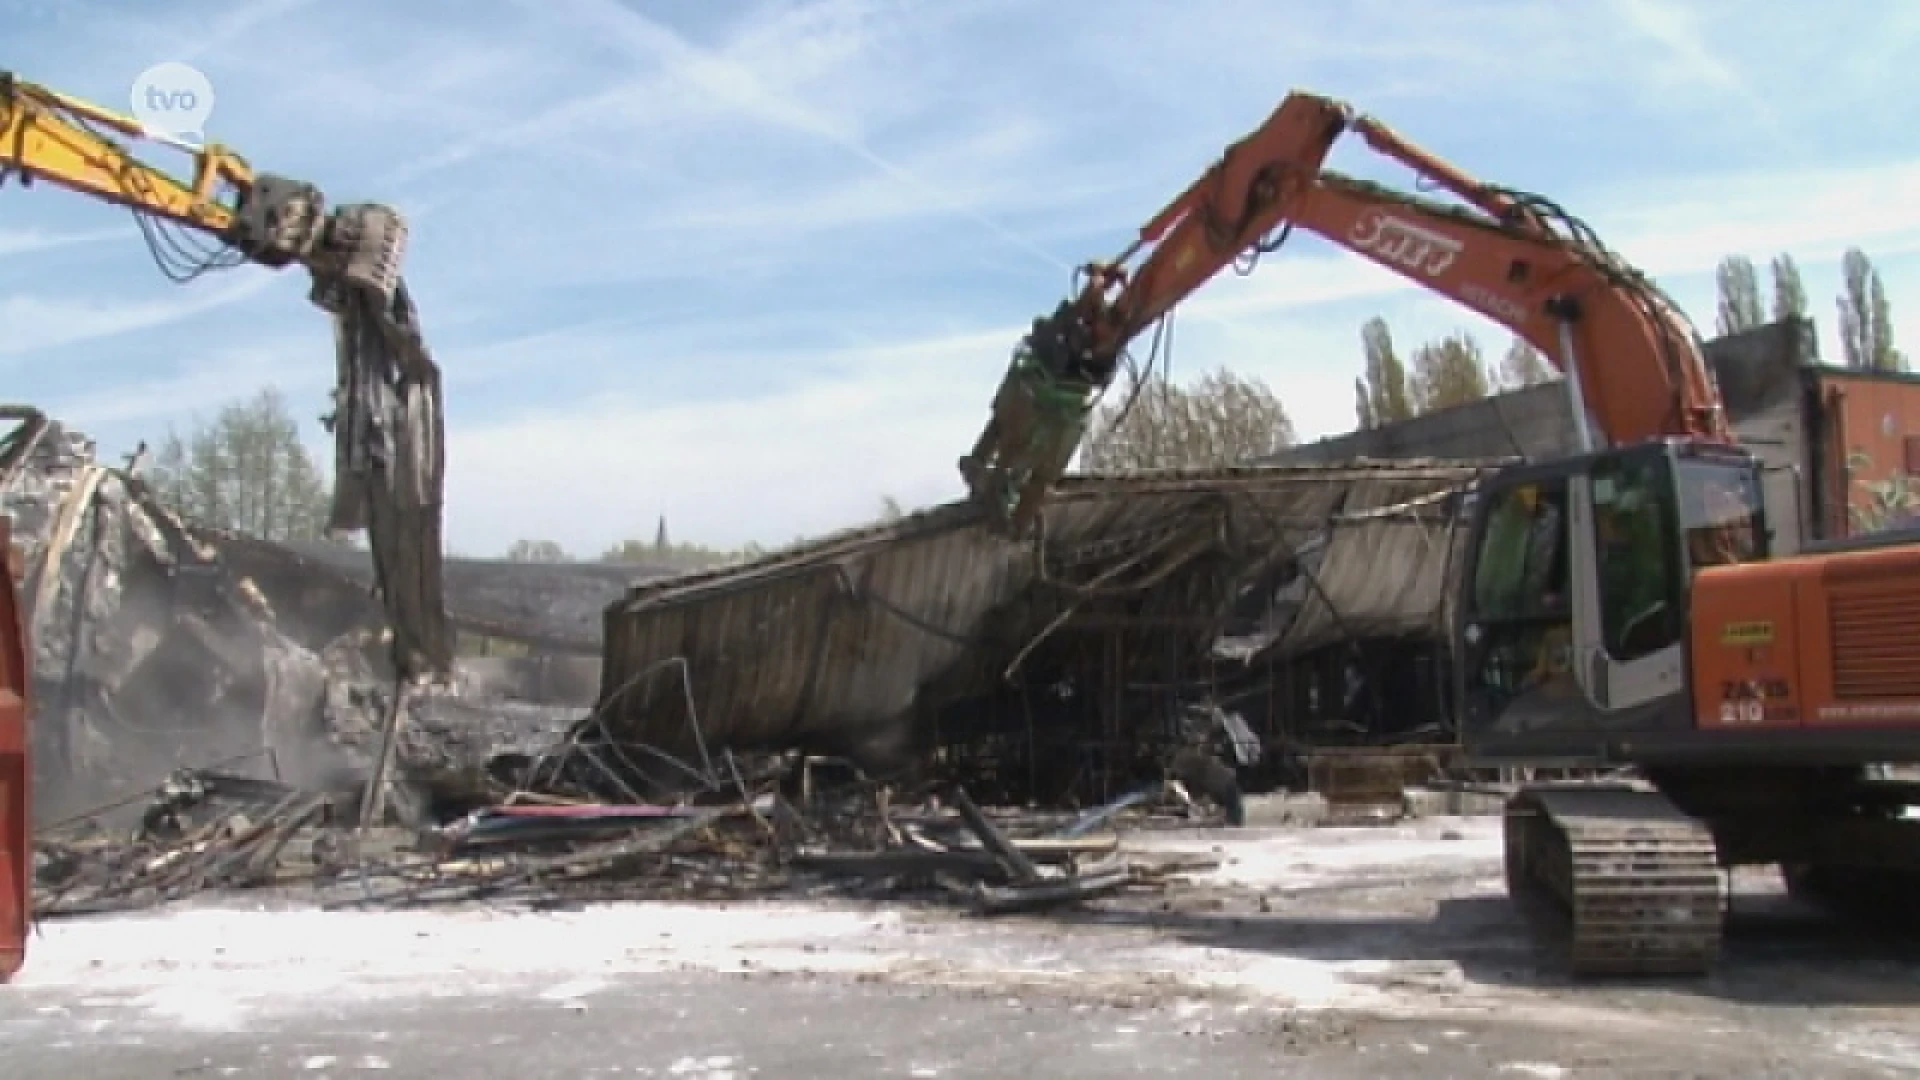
(1522, 572)
(1640, 607)
(1720, 512)
(1520, 610)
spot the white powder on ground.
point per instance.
(1295, 858)
(209, 968)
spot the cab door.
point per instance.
(1516, 615)
(1632, 615)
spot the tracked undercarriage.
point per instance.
(1621, 881)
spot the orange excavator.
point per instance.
(386, 421)
(1617, 610)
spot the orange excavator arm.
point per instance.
(1632, 359)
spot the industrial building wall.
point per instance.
(1867, 427)
(1761, 376)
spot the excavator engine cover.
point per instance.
(16, 858)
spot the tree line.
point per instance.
(661, 552)
(1453, 370)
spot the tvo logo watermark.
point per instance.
(173, 99)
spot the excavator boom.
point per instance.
(267, 219)
(1619, 606)
(1514, 258)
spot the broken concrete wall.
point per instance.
(1315, 593)
(160, 645)
(145, 657)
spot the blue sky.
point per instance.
(756, 265)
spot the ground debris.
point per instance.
(202, 830)
(212, 830)
(1023, 862)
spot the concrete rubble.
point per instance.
(207, 830)
(160, 645)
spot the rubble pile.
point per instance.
(161, 645)
(201, 830)
(245, 694)
(210, 830)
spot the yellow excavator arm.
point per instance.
(387, 416)
(270, 220)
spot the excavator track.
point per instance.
(1623, 881)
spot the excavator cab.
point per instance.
(1572, 627)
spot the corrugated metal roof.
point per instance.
(1385, 570)
(845, 634)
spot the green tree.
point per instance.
(1448, 372)
(1890, 502)
(245, 470)
(1739, 295)
(1789, 293)
(1866, 323)
(1523, 366)
(1389, 398)
(680, 557)
(541, 551)
(1222, 419)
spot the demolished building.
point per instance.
(159, 644)
(1048, 669)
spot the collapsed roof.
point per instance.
(851, 634)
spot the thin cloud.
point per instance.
(1673, 27)
(1677, 30)
(40, 324)
(33, 241)
(156, 401)
(741, 86)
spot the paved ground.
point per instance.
(1384, 952)
(714, 1027)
